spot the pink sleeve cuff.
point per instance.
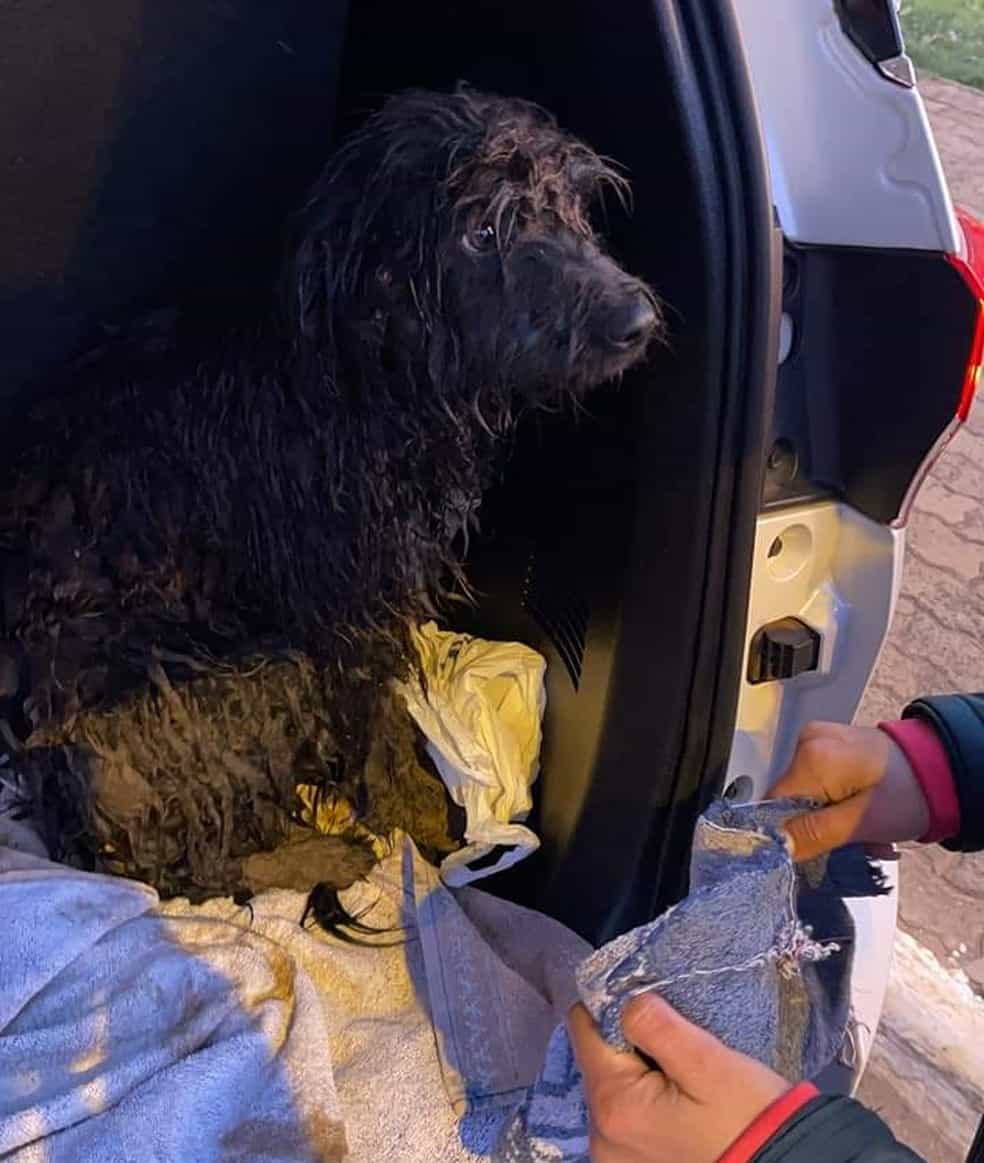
(770, 1122)
(928, 759)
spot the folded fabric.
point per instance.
(759, 953)
(480, 705)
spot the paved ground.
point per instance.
(957, 116)
(937, 640)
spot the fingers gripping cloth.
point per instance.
(759, 954)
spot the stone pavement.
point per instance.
(956, 113)
(925, 1075)
(937, 644)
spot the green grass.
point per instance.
(946, 37)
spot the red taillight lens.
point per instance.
(971, 270)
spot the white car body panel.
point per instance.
(839, 572)
(852, 163)
(851, 155)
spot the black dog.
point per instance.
(210, 562)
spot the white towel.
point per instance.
(166, 1034)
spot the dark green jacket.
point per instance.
(835, 1130)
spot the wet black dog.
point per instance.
(210, 563)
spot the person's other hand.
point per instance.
(690, 1110)
(866, 783)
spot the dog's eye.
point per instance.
(481, 238)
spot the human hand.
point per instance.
(690, 1110)
(863, 777)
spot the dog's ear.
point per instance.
(323, 258)
(315, 253)
(308, 280)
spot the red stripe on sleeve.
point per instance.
(771, 1120)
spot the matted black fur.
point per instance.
(211, 558)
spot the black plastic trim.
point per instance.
(875, 372)
(752, 310)
(873, 26)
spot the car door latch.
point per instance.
(783, 649)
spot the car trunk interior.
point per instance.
(155, 151)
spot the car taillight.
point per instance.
(971, 270)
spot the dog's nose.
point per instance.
(632, 324)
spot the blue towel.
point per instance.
(759, 953)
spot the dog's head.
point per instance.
(448, 246)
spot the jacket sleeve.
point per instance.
(959, 722)
(834, 1130)
(930, 764)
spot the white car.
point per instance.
(709, 557)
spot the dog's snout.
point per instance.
(633, 322)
